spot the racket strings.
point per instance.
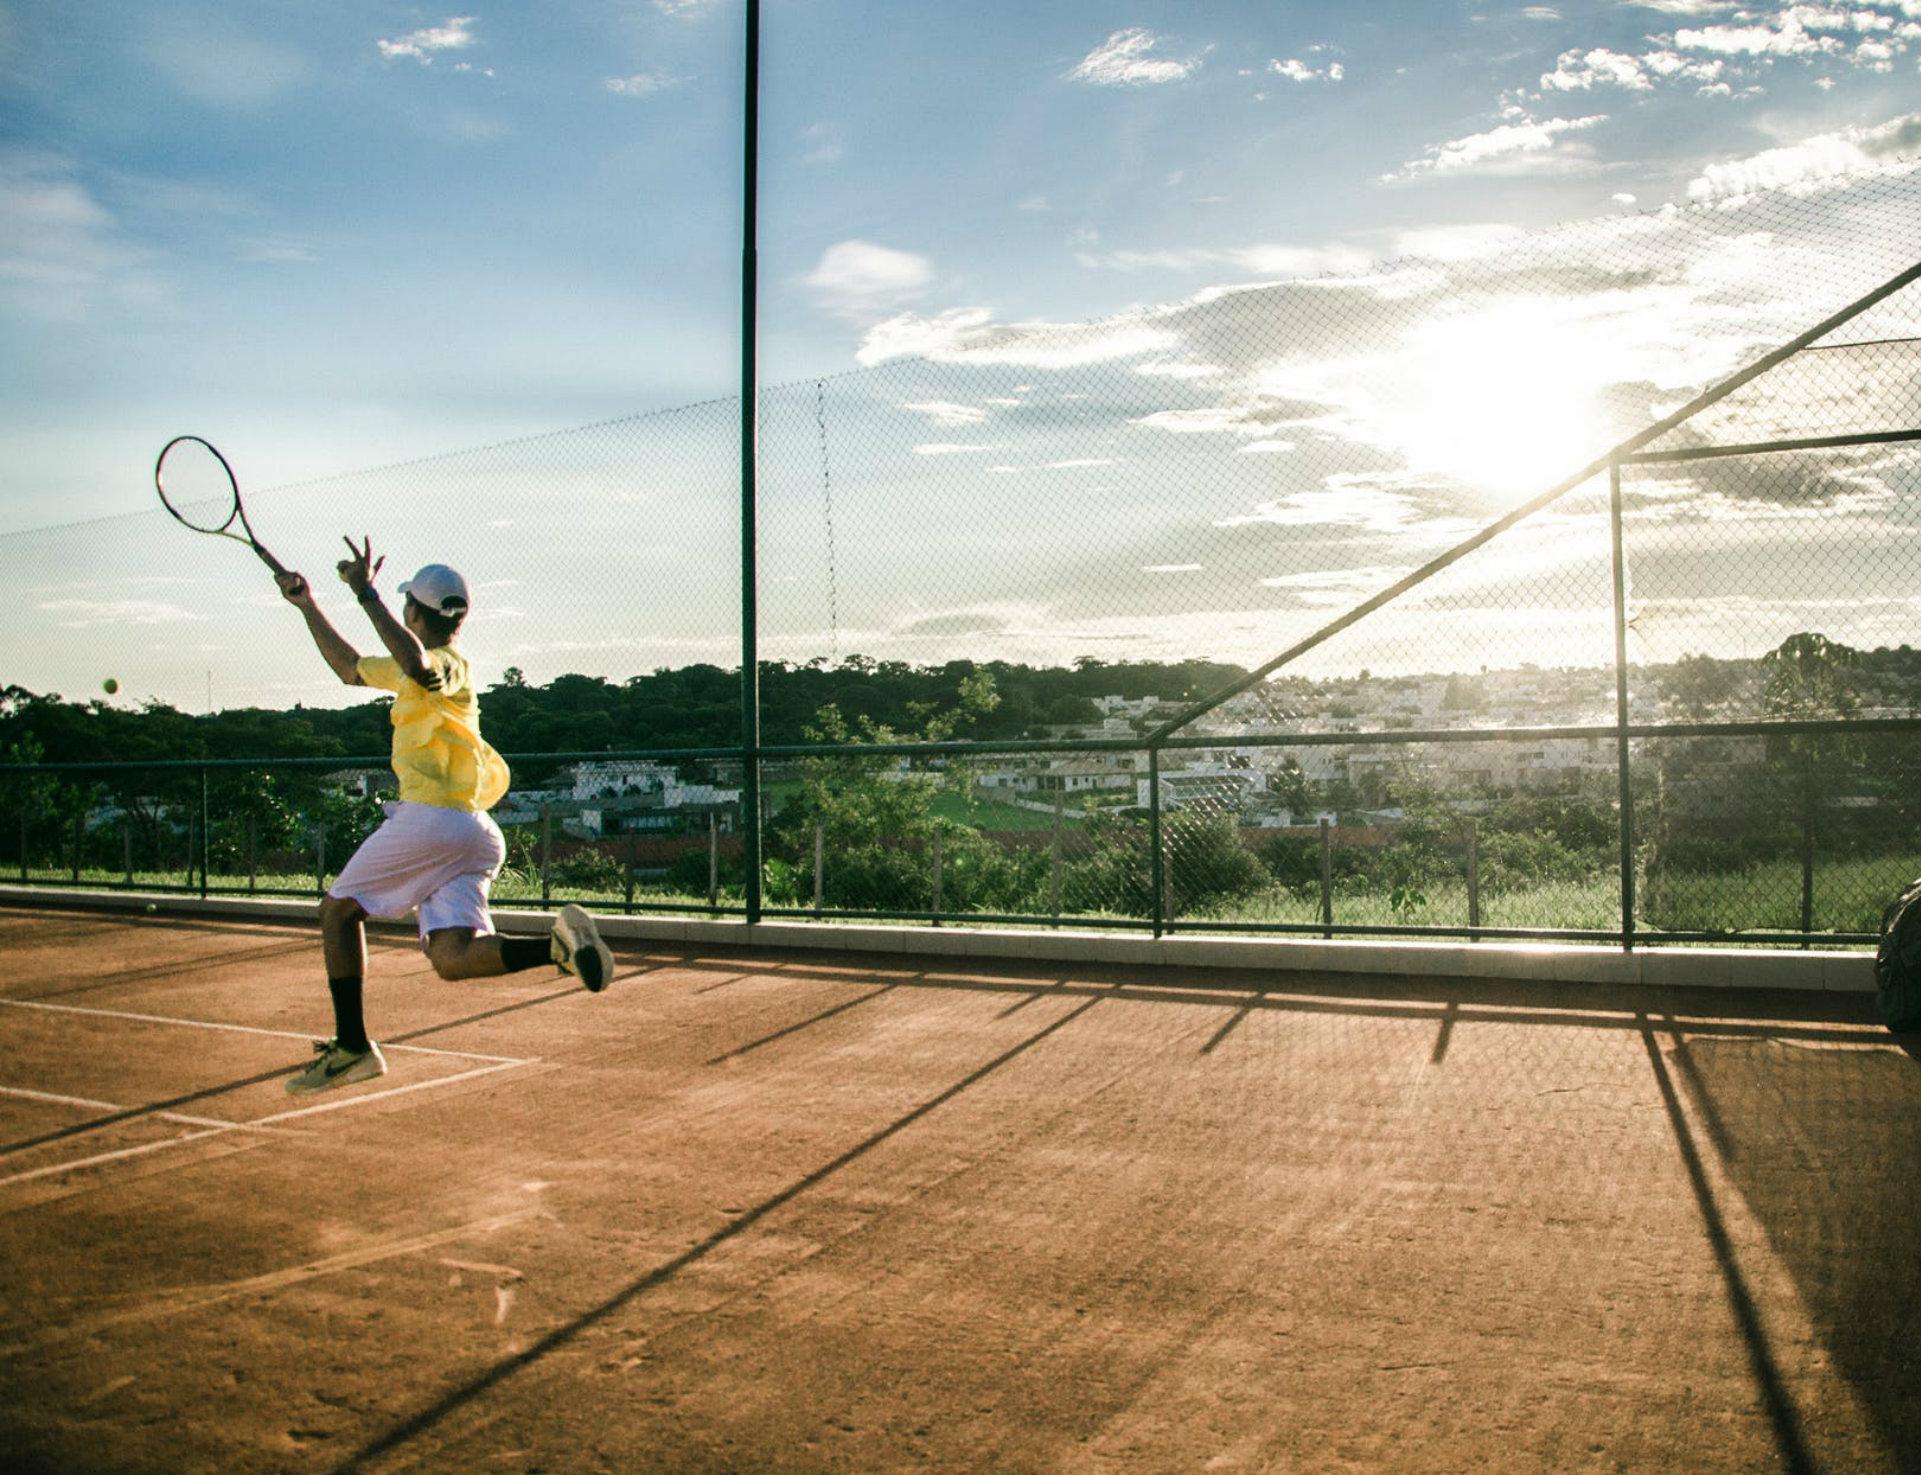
(196, 486)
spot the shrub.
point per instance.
(590, 870)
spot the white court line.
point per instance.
(166, 1116)
(108, 1157)
(257, 1122)
(243, 1029)
(346, 1101)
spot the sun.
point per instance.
(1505, 398)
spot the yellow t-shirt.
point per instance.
(439, 755)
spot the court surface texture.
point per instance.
(751, 1212)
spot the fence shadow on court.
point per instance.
(1824, 1147)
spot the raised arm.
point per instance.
(341, 657)
(357, 573)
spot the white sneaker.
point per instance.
(334, 1066)
(578, 950)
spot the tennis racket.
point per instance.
(197, 486)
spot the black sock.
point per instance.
(517, 953)
(350, 1030)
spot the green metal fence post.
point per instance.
(546, 853)
(1807, 850)
(1621, 705)
(1054, 862)
(820, 861)
(713, 859)
(749, 469)
(1157, 873)
(936, 878)
(1473, 880)
(1327, 879)
(206, 837)
(633, 859)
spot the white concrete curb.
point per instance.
(1689, 967)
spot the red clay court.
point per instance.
(750, 1212)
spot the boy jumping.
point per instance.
(438, 850)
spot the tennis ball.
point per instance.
(110, 686)
(152, 908)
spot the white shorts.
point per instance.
(440, 860)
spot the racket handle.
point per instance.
(268, 559)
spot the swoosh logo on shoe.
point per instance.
(330, 1071)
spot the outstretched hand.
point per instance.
(357, 572)
(294, 589)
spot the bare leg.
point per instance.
(343, 937)
(456, 953)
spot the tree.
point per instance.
(1697, 686)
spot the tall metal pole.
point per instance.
(749, 467)
(206, 836)
(1621, 705)
(1156, 871)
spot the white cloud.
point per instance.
(1457, 243)
(684, 8)
(1122, 61)
(1525, 141)
(1270, 260)
(86, 614)
(860, 277)
(1811, 158)
(62, 253)
(640, 84)
(950, 448)
(822, 144)
(1222, 419)
(1267, 447)
(1785, 35)
(1296, 70)
(455, 35)
(942, 412)
(1687, 7)
(276, 253)
(970, 335)
(1577, 71)
(227, 71)
(1341, 505)
(1540, 12)
(1339, 586)
(1187, 259)
(1172, 568)
(463, 125)
(1176, 369)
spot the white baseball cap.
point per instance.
(439, 588)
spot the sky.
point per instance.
(344, 237)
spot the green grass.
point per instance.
(986, 814)
(1848, 895)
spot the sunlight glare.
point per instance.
(1505, 399)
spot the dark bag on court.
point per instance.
(1897, 962)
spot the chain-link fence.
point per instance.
(1670, 695)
